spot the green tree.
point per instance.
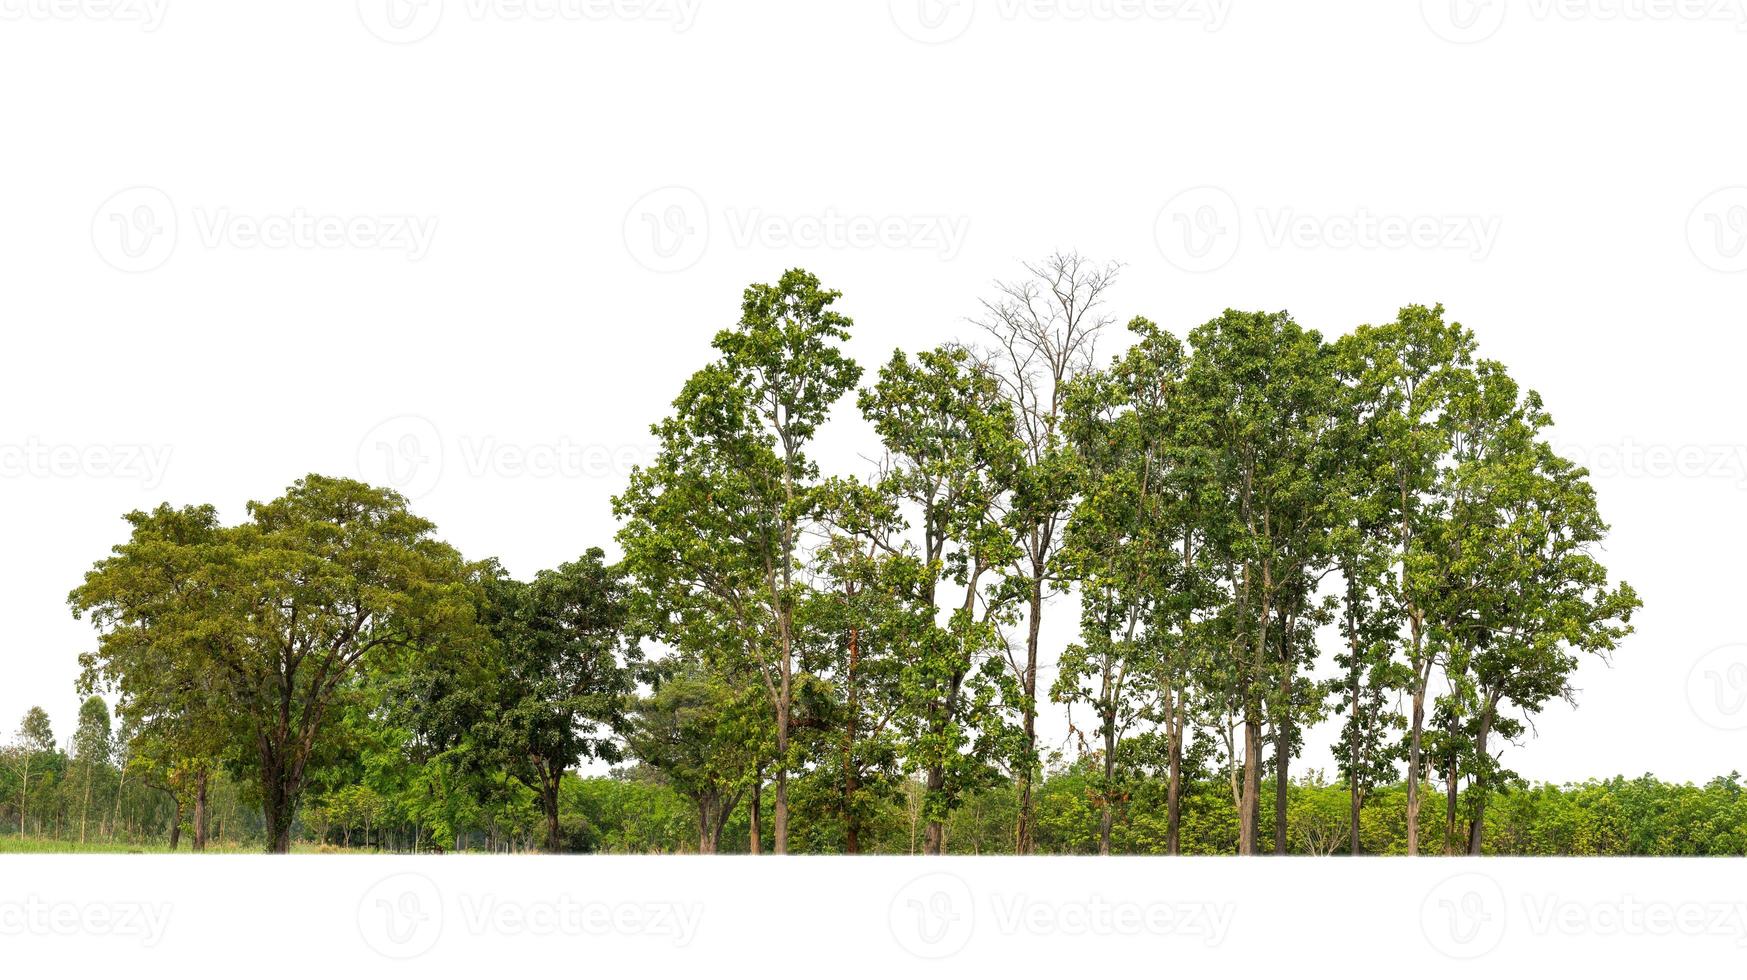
(949, 450)
(563, 678)
(91, 752)
(714, 528)
(279, 615)
(35, 737)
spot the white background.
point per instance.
(593, 184)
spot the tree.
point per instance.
(1258, 408)
(91, 750)
(1518, 593)
(1122, 545)
(1042, 331)
(949, 450)
(714, 528)
(278, 615)
(1408, 370)
(563, 677)
(34, 737)
(704, 736)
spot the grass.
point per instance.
(35, 844)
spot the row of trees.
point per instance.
(88, 802)
(1259, 526)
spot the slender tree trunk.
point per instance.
(780, 813)
(1483, 779)
(176, 825)
(754, 829)
(1415, 765)
(1108, 819)
(85, 805)
(1283, 737)
(1025, 833)
(200, 779)
(851, 820)
(1252, 781)
(1174, 788)
(1451, 791)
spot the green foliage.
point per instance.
(846, 663)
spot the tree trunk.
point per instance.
(1108, 818)
(1477, 826)
(1024, 833)
(851, 821)
(200, 778)
(1355, 677)
(176, 825)
(755, 832)
(1415, 765)
(706, 838)
(1174, 789)
(934, 834)
(85, 805)
(549, 803)
(1249, 807)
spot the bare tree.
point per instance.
(1042, 330)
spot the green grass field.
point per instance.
(31, 844)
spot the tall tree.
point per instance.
(1407, 370)
(1123, 546)
(1258, 406)
(716, 525)
(91, 752)
(1520, 592)
(1042, 330)
(949, 449)
(34, 738)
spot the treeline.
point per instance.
(79, 796)
(1231, 514)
